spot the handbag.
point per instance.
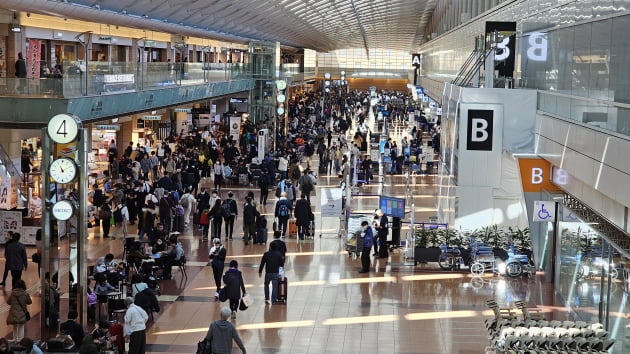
(26, 313)
(204, 347)
(242, 306)
(223, 295)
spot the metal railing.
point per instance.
(8, 164)
(73, 79)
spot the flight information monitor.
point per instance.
(394, 207)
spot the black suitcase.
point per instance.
(282, 289)
(261, 235)
(323, 167)
(178, 223)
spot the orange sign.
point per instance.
(536, 175)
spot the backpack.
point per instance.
(296, 173)
(179, 210)
(263, 181)
(280, 188)
(184, 201)
(227, 207)
(290, 192)
(118, 215)
(98, 199)
(283, 209)
(306, 183)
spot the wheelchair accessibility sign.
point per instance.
(544, 210)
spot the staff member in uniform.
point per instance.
(368, 238)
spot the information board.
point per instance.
(394, 207)
(331, 200)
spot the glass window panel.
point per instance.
(619, 52)
(581, 60)
(600, 60)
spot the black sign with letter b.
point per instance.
(479, 136)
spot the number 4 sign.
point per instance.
(64, 128)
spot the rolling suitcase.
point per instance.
(293, 229)
(261, 236)
(282, 289)
(243, 179)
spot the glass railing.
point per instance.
(593, 112)
(74, 79)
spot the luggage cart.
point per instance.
(354, 245)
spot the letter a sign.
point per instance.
(415, 60)
(479, 135)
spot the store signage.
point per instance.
(415, 60)
(118, 78)
(104, 38)
(536, 175)
(479, 135)
(183, 110)
(108, 127)
(151, 117)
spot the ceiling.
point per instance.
(322, 25)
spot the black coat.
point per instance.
(147, 300)
(233, 280)
(302, 212)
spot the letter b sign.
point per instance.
(479, 130)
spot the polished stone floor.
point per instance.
(396, 308)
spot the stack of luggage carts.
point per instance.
(532, 333)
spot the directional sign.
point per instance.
(331, 202)
(544, 210)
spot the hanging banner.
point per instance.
(235, 127)
(33, 65)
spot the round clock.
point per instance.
(63, 210)
(281, 84)
(63, 170)
(64, 128)
(280, 111)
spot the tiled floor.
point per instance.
(396, 308)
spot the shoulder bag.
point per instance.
(26, 313)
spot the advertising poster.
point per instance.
(235, 127)
(11, 221)
(28, 235)
(8, 193)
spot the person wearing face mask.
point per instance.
(368, 239)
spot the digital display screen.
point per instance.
(394, 207)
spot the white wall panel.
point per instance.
(598, 164)
(611, 182)
(617, 154)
